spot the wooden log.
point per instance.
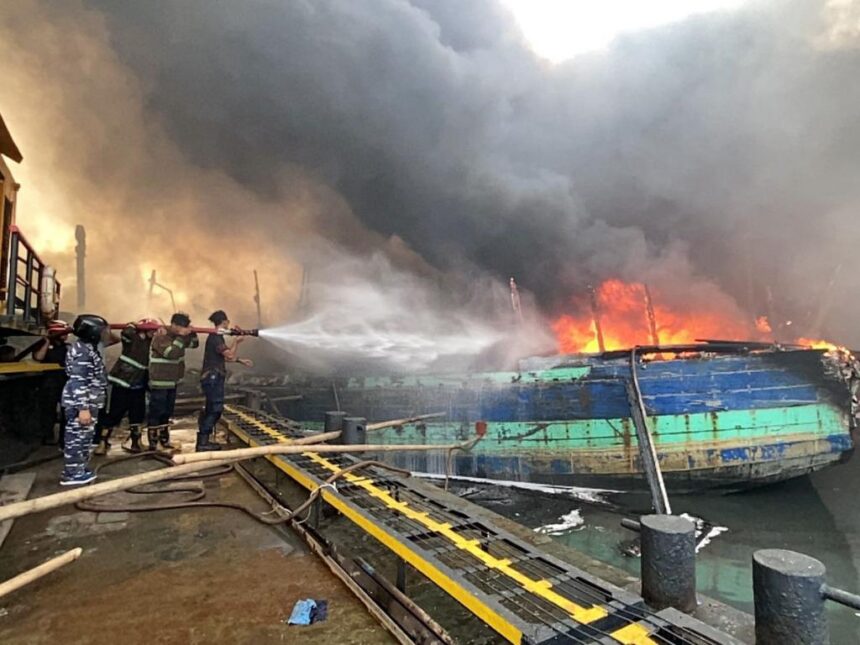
(18, 509)
(379, 425)
(292, 449)
(192, 463)
(35, 573)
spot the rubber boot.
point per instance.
(205, 445)
(152, 437)
(134, 435)
(164, 441)
(104, 445)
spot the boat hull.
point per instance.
(727, 423)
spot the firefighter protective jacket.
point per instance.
(130, 368)
(167, 359)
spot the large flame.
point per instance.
(624, 321)
(622, 309)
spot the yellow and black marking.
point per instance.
(522, 594)
(24, 368)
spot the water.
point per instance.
(394, 345)
(815, 515)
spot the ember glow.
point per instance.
(623, 315)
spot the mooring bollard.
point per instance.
(789, 603)
(334, 422)
(354, 430)
(668, 566)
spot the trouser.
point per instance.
(53, 411)
(161, 404)
(76, 451)
(213, 390)
(123, 400)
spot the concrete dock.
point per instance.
(215, 575)
(209, 575)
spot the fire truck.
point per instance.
(29, 300)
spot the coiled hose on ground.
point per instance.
(196, 493)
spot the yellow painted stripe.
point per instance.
(542, 588)
(498, 623)
(633, 634)
(27, 367)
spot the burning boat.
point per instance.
(722, 415)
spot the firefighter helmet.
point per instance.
(89, 328)
(58, 328)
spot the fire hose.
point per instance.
(277, 515)
(155, 326)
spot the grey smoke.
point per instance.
(715, 158)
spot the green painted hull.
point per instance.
(724, 422)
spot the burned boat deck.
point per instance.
(520, 592)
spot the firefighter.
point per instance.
(166, 369)
(54, 349)
(83, 396)
(212, 376)
(128, 380)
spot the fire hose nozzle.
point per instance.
(238, 331)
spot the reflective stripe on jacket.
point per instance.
(167, 359)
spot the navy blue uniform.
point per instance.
(86, 389)
(212, 379)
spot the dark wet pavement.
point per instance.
(178, 576)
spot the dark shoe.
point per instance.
(164, 442)
(134, 435)
(208, 446)
(152, 438)
(102, 449)
(79, 480)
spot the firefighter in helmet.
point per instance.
(128, 381)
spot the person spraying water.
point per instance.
(213, 375)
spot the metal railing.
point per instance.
(24, 290)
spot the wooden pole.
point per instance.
(380, 425)
(652, 318)
(191, 464)
(257, 300)
(19, 509)
(292, 449)
(35, 573)
(595, 312)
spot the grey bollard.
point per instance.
(668, 562)
(354, 430)
(254, 400)
(789, 606)
(334, 423)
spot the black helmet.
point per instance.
(89, 328)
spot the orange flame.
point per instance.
(816, 343)
(762, 324)
(624, 321)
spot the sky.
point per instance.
(422, 152)
(560, 29)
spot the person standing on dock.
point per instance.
(84, 394)
(213, 376)
(128, 380)
(166, 370)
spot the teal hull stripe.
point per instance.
(671, 431)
